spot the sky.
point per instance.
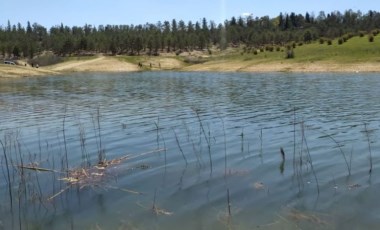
(50, 13)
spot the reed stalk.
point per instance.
(294, 140)
(8, 175)
(82, 140)
(341, 151)
(180, 148)
(205, 136)
(228, 203)
(157, 124)
(282, 164)
(154, 200)
(309, 155)
(101, 153)
(242, 140)
(369, 147)
(225, 147)
(261, 142)
(64, 141)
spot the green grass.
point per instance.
(356, 49)
(131, 59)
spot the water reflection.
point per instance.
(190, 137)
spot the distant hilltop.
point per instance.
(179, 36)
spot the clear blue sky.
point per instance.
(115, 12)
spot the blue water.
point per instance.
(190, 138)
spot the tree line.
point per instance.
(178, 36)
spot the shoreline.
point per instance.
(107, 64)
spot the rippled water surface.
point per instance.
(190, 151)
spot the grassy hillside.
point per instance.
(355, 55)
(356, 49)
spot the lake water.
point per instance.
(190, 151)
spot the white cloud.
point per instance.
(246, 14)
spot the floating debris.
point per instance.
(96, 176)
(159, 211)
(235, 172)
(353, 186)
(156, 210)
(259, 186)
(299, 216)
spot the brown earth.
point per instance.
(113, 64)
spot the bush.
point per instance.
(289, 54)
(294, 45)
(194, 60)
(278, 48)
(329, 42)
(371, 38)
(269, 48)
(375, 32)
(255, 52)
(340, 41)
(345, 38)
(178, 52)
(362, 33)
(300, 43)
(45, 60)
(321, 41)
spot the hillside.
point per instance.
(355, 55)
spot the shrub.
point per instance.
(340, 41)
(348, 36)
(371, 38)
(269, 48)
(45, 60)
(329, 42)
(362, 33)
(289, 54)
(261, 49)
(194, 60)
(300, 43)
(345, 38)
(321, 41)
(178, 52)
(278, 48)
(294, 45)
(375, 32)
(255, 52)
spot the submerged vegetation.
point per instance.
(28, 175)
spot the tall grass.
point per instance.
(309, 156)
(369, 147)
(8, 174)
(341, 151)
(180, 148)
(207, 138)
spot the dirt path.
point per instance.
(99, 64)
